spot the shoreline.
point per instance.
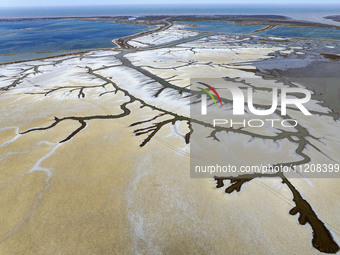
(163, 22)
(266, 19)
(122, 42)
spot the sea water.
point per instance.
(26, 39)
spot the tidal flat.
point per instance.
(95, 146)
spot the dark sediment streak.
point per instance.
(331, 56)
(322, 239)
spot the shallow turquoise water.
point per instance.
(224, 27)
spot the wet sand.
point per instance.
(94, 157)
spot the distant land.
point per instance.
(335, 17)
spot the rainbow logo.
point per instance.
(208, 92)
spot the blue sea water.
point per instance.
(304, 32)
(45, 36)
(299, 32)
(223, 27)
(27, 39)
